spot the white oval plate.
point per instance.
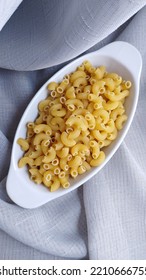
(119, 57)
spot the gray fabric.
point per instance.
(105, 218)
(7, 8)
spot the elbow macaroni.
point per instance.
(82, 115)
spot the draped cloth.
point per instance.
(105, 218)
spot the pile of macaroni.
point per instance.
(81, 115)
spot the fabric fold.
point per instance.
(57, 31)
(7, 8)
(5, 153)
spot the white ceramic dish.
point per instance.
(119, 57)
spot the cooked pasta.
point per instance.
(81, 115)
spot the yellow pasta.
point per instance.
(37, 153)
(63, 164)
(80, 117)
(29, 133)
(78, 122)
(101, 115)
(38, 160)
(109, 105)
(104, 143)
(110, 126)
(82, 96)
(91, 120)
(77, 74)
(112, 96)
(57, 110)
(25, 160)
(99, 72)
(95, 148)
(74, 172)
(39, 138)
(43, 127)
(96, 87)
(79, 148)
(75, 162)
(63, 153)
(99, 160)
(52, 86)
(43, 104)
(64, 181)
(23, 144)
(86, 165)
(73, 134)
(119, 121)
(70, 93)
(59, 122)
(50, 155)
(112, 135)
(81, 169)
(80, 81)
(44, 146)
(36, 176)
(109, 83)
(66, 141)
(117, 112)
(76, 102)
(99, 135)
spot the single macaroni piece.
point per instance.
(99, 160)
(109, 83)
(38, 161)
(50, 155)
(79, 118)
(63, 85)
(37, 153)
(78, 148)
(109, 105)
(63, 153)
(43, 128)
(95, 149)
(70, 93)
(112, 96)
(73, 134)
(112, 135)
(57, 110)
(119, 121)
(99, 72)
(64, 164)
(117, 112)
(75, 162)
(40, 137)
(44, 146)
(23, 144)
(52, 86)
(80, 81)
(97, 86)
(99, 135)
(36, 176)
(77, 74)
(25, 160)
(91, 120)
(64, 181)
(66, 140)
(76, 102)
(43, 104)
(86, 165)
(55, 183)
(59, 122)
(74, 172)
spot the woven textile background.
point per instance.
(105, 218)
